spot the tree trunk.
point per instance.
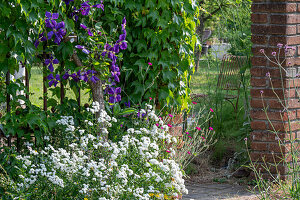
(97, 91)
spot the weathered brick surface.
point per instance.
(275, 104)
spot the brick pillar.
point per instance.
(273, 22)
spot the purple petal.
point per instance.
(123, 45)
(83, 26)
(60, 25)
(55, 61)
(55, 83)
(85, 51)
(85, 11)
(90, 33)
(112, 99)
(79, 47)
(57, 77)
(48, 14)
(51, 68)
(122, 37)
(51, 82)
(118, 90)
(66, 76)
(55, 16)
(36, 43)
(50, 77)
(118, 98)
(124, 21)
(111, 90)
(50, 34)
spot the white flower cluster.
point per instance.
(131, 168)
(68, 121)
(95, 107)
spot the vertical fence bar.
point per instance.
(44, 80)
(78, 99)
(62, 89)
(26, 82)
(7, 102)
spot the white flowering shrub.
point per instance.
(138, 166)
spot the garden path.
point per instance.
(215, 191)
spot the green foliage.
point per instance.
(162, 33)
(234, 26)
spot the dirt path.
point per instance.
(215, 191)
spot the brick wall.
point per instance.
(273, 22)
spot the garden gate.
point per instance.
(273, 22)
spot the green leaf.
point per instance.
(117, 109)
(127, 111)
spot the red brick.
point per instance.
(282, 30)
(258, 82)
(268, 51)
(258, 103)
(267, 93)
(259, 61)
(258, 39)
(258, 125)
(271, 115)
(298, 28)
(259, 18)
(259, 146)
(267, 157)
(279, 148)
(267, 136)
(274, 7)
(275, 103)
(262, 71)
(284, 19)
(289, 40)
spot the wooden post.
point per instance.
(7, 102)
(44, 79)
(78, 100)
(26, 82)
(62, 89)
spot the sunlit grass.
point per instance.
(36, 89)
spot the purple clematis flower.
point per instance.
(66, 76)
(127, 104)
(49, 62)
(115, 92)
(123, 45)
(57, 29)
(94, 79)
(53, 81)
(41, 38)
(99, 5)
(115, 73)
(85, 8)
(67, 1)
